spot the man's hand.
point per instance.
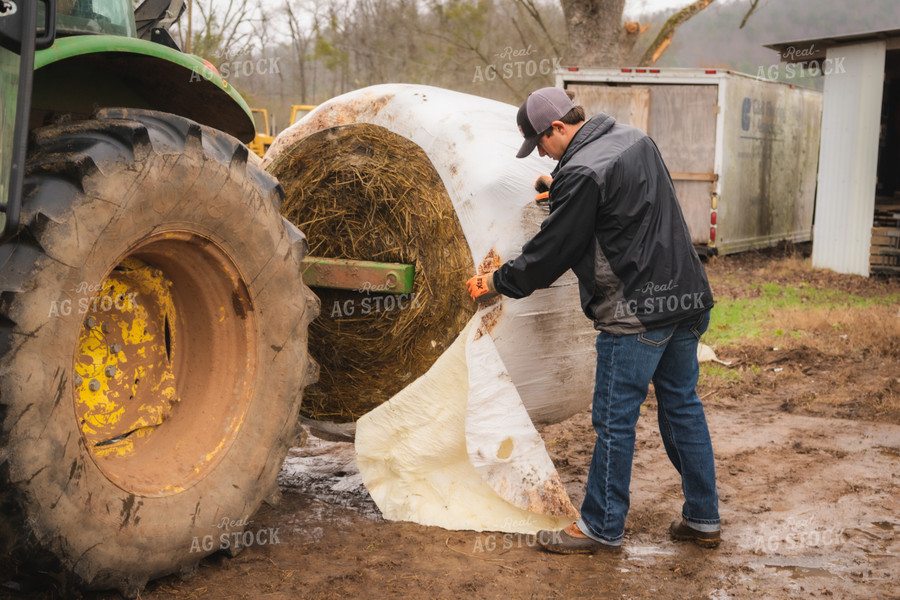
(542, 183)
(542, 186)
(481, 287)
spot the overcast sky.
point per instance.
(638, 6)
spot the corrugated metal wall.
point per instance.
(848, 158)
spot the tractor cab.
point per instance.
(79, 17)
(149, 21)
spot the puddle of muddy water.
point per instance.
(798, 572)
(326, 471)
(801, 567)
(638, 552)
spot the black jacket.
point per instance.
(615, 221)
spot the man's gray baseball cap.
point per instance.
(539, 110)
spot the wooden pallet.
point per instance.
(887, 215)
(885, 253)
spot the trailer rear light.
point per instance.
(712, 234)
(626, 70)
(573, 69)
(654, 70)
(710, 71)
(640, 70)
(712, 218)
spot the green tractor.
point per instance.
(153, 326)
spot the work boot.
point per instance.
(681, 531)
(572, 541)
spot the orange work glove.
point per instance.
(542, 183)
(542, 186)
(481, 287)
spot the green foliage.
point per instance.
(716, 375)
(756, 314)
(332, 57)
(734, 320)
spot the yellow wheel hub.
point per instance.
(125, 383)
(165, 363)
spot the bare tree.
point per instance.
(533, 10)
(484, 47)
(225, 28)
(302, 36)
(463, 27)
(594, 28)
(598, 37)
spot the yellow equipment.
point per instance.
(298, 111)
(264, 136)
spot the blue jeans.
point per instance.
(626, 364)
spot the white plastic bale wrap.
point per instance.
(456, 448)
(544, 341)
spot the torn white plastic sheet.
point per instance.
(544, 341)
(456, 448)
(707, 354)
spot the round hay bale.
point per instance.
(362, 192)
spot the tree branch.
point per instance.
(749, 12)
(667, 32)
(532, 9)
(522, 37)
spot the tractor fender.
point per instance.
(81, 74)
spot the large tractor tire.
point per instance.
(153, 327)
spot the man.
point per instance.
(615, 221)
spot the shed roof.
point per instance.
(814, 48)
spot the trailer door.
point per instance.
(681, 119)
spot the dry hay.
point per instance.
(363, 192)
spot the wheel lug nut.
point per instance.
(115, 348)
(78, 380)
(94, 385)
(104, 328)
(91, 322)
(110, 371)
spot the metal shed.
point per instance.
(857, 214)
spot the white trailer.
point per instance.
(742, 151)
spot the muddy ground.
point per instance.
(807, 441)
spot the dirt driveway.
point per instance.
(807, 442)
